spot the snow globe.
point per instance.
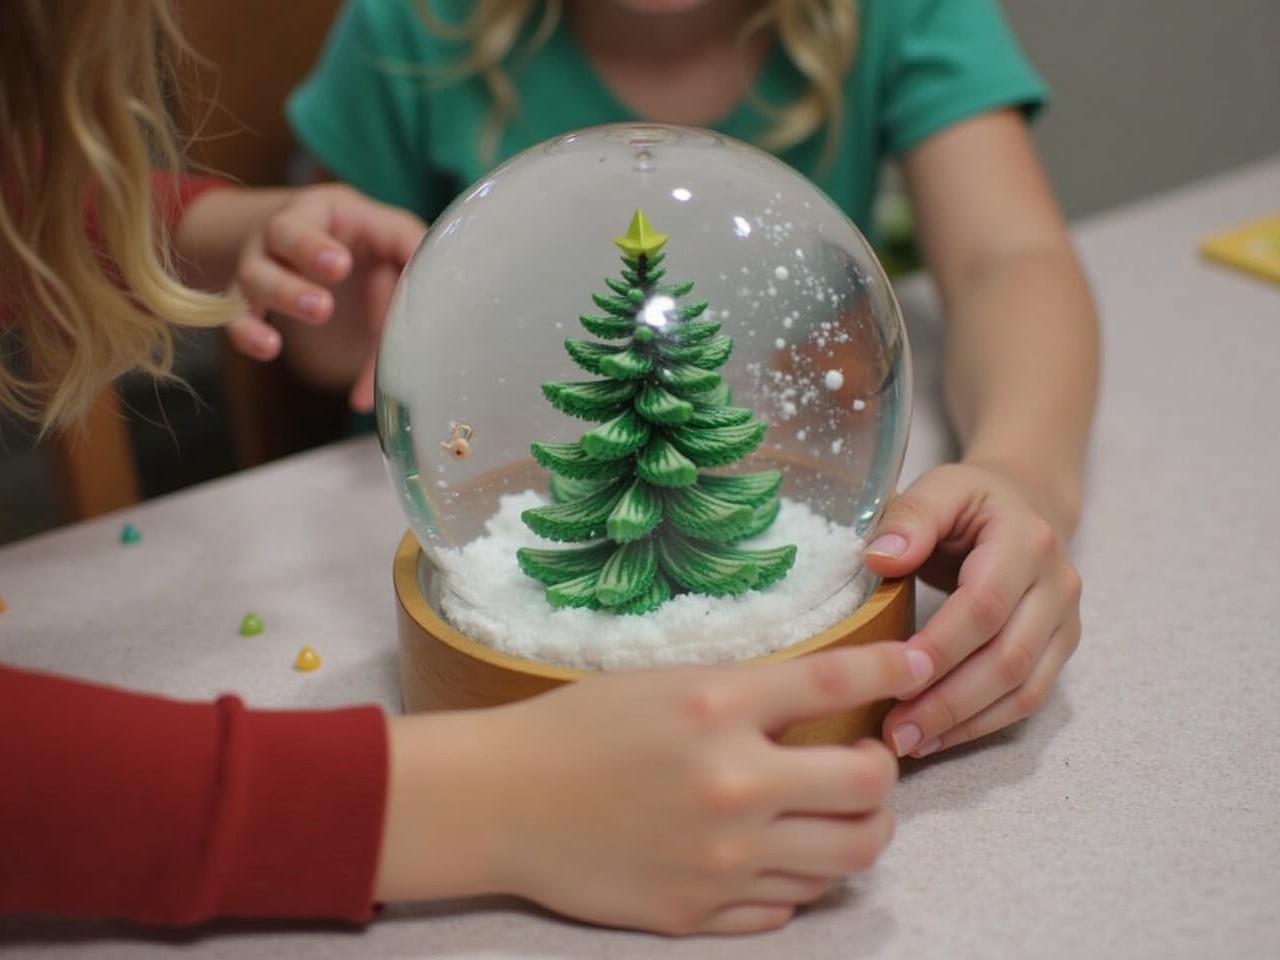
(643, 393)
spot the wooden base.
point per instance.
(442, 669)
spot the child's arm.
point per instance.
(323, 257)
(656, 799)
(1021, 373)
(127, 806)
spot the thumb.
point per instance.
(907, 532)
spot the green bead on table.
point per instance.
(251, 625)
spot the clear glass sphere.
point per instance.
(731, 319)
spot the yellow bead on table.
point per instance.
(307, 660)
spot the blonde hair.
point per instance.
(82, 107)
(819, 36)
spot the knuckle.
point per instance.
(725, 792)
(1074, 586)
(909, 509)
(723, 858)
(932, 644)
(987, 610)
(279, 231)
(1014, 664)
(709, 705)
(829, 676)
(1029, 698)
(943, 713)
(1042, 539)
(891, 668)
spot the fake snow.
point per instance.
(859, 404)
(780, 272)
(834, 380)
(486, 596)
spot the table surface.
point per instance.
(1134, 816)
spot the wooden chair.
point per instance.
(93, 467)
(254, 53)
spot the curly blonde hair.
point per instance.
(819, 36)
(82, 106)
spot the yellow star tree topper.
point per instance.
(641, 239)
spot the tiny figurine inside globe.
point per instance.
(643, 392)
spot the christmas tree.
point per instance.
(633, 488)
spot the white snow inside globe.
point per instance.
(643, 393)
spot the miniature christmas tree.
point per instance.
(633, 488)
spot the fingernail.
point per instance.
(330, 261)
(311, 304)
(265, 341)
(905, 738)
(920, 664)
(889, 545)
(930, 747)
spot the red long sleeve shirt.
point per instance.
(136, 807)
(172, 195)
(116, 804)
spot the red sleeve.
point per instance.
(172, 195)
(134, 807)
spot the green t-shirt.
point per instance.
(370, 116)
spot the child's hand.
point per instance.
(999, 641)
(658, 800)
(330, 258)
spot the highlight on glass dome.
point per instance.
(643, 393)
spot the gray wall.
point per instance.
(1149, 94)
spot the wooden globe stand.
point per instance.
(441, 669)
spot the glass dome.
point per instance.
(643, 392)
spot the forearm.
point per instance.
(214, 228)
(444, 790)
(1021, 374)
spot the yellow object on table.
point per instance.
(1253, 247)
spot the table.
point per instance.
(1134, 816)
